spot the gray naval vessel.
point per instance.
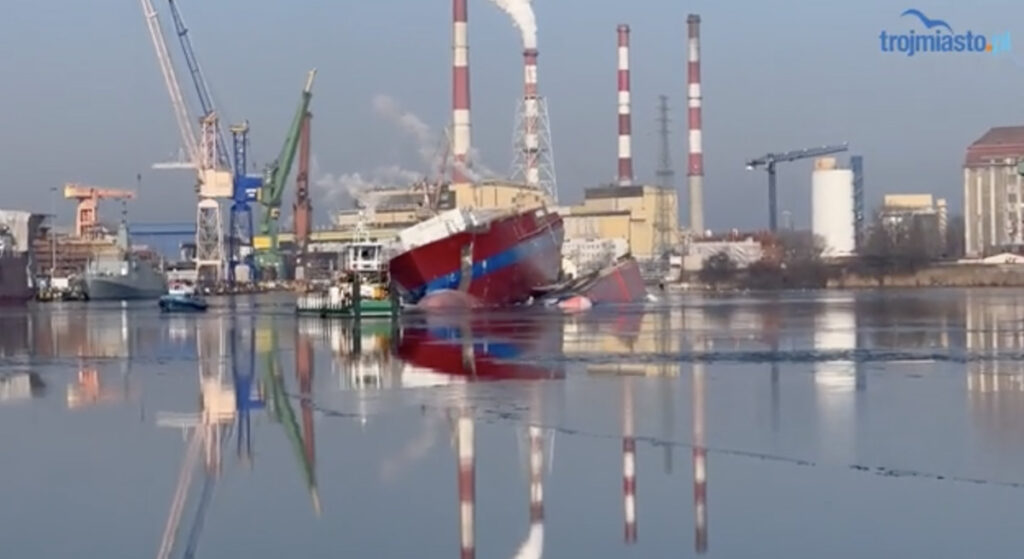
(123, 276)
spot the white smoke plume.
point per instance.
(522, 15)
(411, 124)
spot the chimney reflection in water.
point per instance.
(628, 462)
(699, 461)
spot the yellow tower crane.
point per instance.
(88, 197)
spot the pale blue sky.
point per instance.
(84, 101)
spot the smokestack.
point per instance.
(695, 168)
(628, 464)
(531, 109)
(460, 92)
(625, 124)
(467, 483)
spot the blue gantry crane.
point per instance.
(768, 161)
(246, 190)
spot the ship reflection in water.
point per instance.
(520, 435)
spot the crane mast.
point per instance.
(188, 135)
(274, 182)
(198, 80)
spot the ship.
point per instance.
(477, 258)
(14, 283)
(123, 276)
(619, 283)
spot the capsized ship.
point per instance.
(474, 258)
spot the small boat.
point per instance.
(375, 301)
(363, 259)
(182, 297)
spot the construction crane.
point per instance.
(244, 188)
(213, 180)
(768, 161)
(87, 211)
(268, 257)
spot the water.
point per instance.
(802, 425)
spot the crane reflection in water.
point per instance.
(223, 406)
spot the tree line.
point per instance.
(795, 261)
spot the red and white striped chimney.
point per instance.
(625, 122)
(460, 92)
(695, 168)
(531, 117)
(467, 486)
(628, 464)
(536, 476)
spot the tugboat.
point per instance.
(362, 291)
(182, 297)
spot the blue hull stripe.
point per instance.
(509, 257)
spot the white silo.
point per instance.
(832, 207)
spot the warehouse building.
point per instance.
(993, 206)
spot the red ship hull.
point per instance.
(496, 263)
(621, 283)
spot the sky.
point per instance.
(84, 101)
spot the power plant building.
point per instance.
(625, 212)
(993, 212)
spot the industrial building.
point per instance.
(993, 214)
(832, 208)
(645, 216)
(917, 210)
(743, 252)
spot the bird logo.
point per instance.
(929, 23)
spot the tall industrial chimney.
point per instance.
(460, 93)
(531, 114)
(625, 124)
(695, 168)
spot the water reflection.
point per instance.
(21, 385)
(784, 377)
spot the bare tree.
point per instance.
(718, 268)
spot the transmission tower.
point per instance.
(666, 176)
(663, 212)
(533, 160)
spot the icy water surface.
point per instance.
(830, 424)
